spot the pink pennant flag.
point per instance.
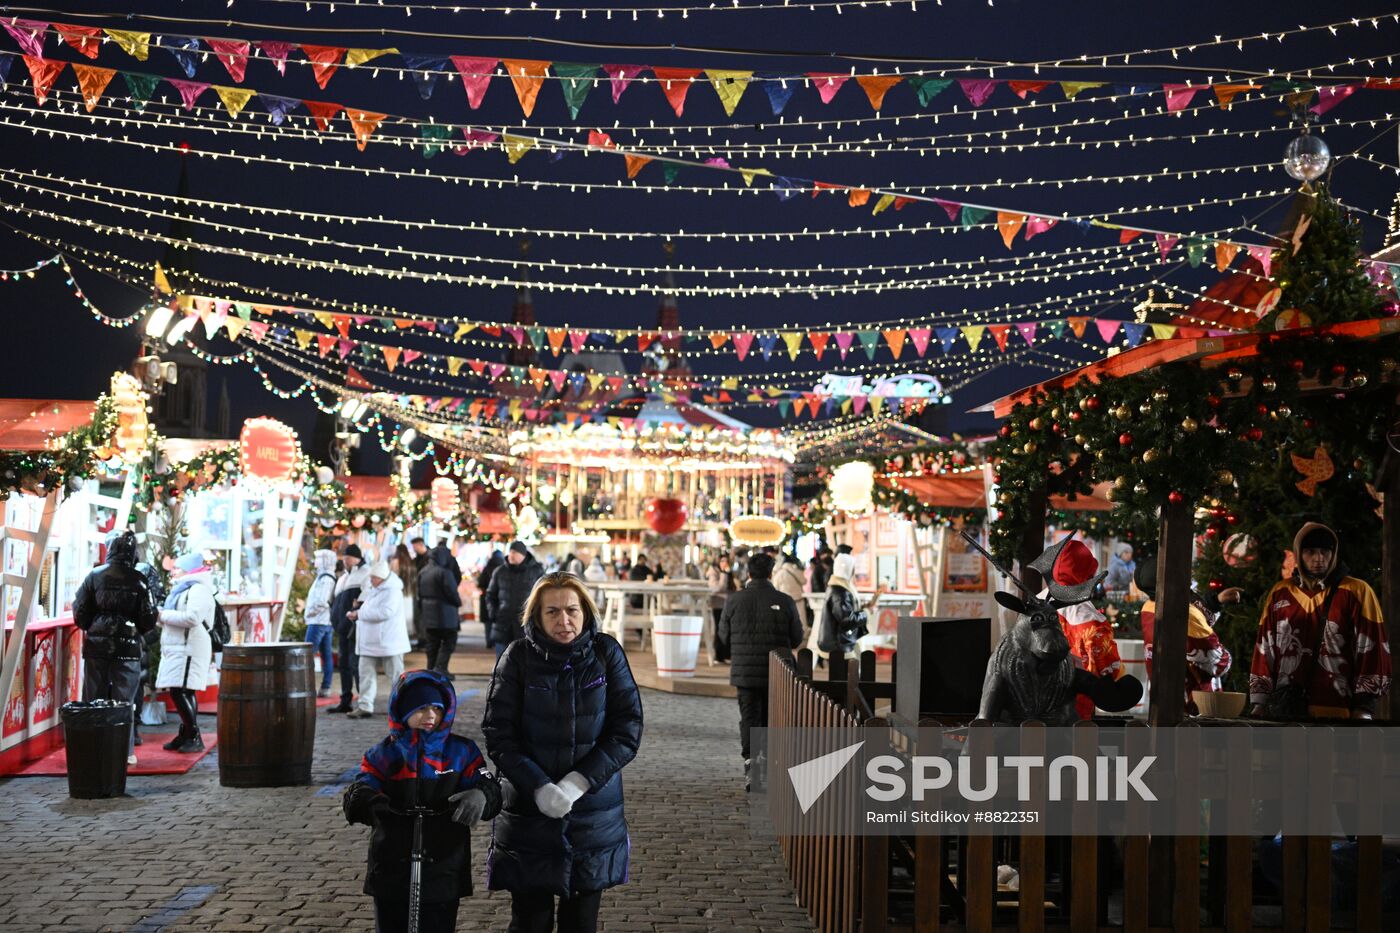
(410, 355)
(741, 342)
(476, 76)
(978, 90)
(951, 208)
(475, 139)
(1038, 225)
(258, 329)
(28, 33)
(497, 369)
(558, 377)
(189, 90)
(278, 52)
(621, 76)
(1179, 96)
(343, 347)
(919, 337)
(858, 403)
(1027, 332)
(1165, 242)
(1264, 256)
(1329, 97)
(233, 55)
(1107, 329)
(827, 84)
(517, 334)
(844, 339)
(577, 338)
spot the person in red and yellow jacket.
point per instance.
(1207, 658)
(1090, 635)
(1321, 648)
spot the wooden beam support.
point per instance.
(1168, 706)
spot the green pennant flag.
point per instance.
(536, 336)
(243, 310)
(927, 87)
(784, 407)
(972, 216)
(670, 171)
(140, 87)
(1195, 252)
(576, 81)
(367, 353)
(1057, 329)
(433, 133)
(869, 341)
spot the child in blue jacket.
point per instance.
(421, 764)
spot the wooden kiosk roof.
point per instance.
(28, 423)
(967, 491)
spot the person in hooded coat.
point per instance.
(318, 614)
(438, 602)
(343, 599)
(483, 583)
(1321, 649)
(510, 587)
(381, 634)
(563, 717)
(421, 763)
(113, 608)
(845, 619)
(186, 648)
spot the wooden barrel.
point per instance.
(267, 715)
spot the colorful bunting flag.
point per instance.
(234, 99)
(1022, 88)
(844, 339)
(92, 81)
(818, 341)
(1072, 89)
(779, 93)
(28, 33)
(476, 76)
(86, 39)
(1179, 95)
(425, 70)
(576, 79)
(1165, 242)
(1107, 330)
(1264, 256)
(1126, 236)
(43, 72)
(635, 163)
(951, 208)
(475, 139)
(516, 147)
(364, 124)
(729, 85)
(1009, 224)
(1077, 325)
(527, 75)
(827, 84)
(621, 76)
(977, 90)
(434, 138)
(742, 342)
(869, 342)
(793, 340)
(972, 333)
(858, 196)
(355, 57)
(766, 343)
(233, 55)
(1225, 93)
(325, 59)
(277, 52)
(278, 107)
(1195, 251)
(927, 87)
(875, 87)
(135, 44)
(885, 201)
(182, 49)
(1027, 332)
(675, 84)
(1224, 255)
(972, 216)
(323, 112)
(999, 333)
(1038, 225)
(1329, 97)
(1133, 332)
(895, 339)
(1163, 331)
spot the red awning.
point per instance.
(966, 491)
(368, 492)
(29, 423)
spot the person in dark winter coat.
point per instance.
(756, 621)
(438, 602)
(563, 717)
(421, 764)
(114, 610)
(343, 599)
(483, 582)
(155, 583)
(449, 560)
(510, 587)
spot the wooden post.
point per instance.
(1032, 542)
(1389, 484)
(1173, 600)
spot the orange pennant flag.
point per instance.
(875, 87)
(1224, 255)
(858, 196)
(44, 72)
(403, 323)
(895, 338)
(527, 75)
(342, 324)
(718, 340)
(1224, 93)
(1077, 325)
(364, 123)
(391, 356)
(538, 377)
(92, 81)
(325, 343)
(557, 336)
(634, 164)
(1009, 224)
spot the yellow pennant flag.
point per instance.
(303, 338)
(162, 283)
(454, 365)
(596, 380)
(326, 319)
(731, 383)
(234, 98)
(1072, 88)
(972, 333)
(515, 407)
(885, 201)
(751, 173)
(729, 85)
(355, 57)
(846, 407)
(793, 339)
(135, 44)
(234, 325)
(185, 303)
(877, 402)
(463, 330)
(1163, 331)
(516, 146)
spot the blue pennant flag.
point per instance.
(576, 380)
(1083, 226)
(779, 93)
(183, 48)
(426, 70)
(766, 344)
(946, 336)
(5, 62)
(279, 107)
(785, 188)
(1133, 332)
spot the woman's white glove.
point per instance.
(574, 785)
(553, 802)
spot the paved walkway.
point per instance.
(183, 853)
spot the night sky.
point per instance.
(56, 349)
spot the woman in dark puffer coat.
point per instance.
(563, 717)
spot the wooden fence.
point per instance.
(1084, 883)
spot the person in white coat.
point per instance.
(380, 634)
(318, 615)
(186, 649)
(791, 580)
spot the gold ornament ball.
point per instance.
(1225, 478)
(1102, 454)
(1189, 425)
(1120, 482)
(1358, 381)
(1283, 411)
(1122, 413)
(1030, 447)
(1160, 395)
(1055, 413)
(1036, 424)
(1150, 454)
(1145, 408)
(1080, 439)
(1140, 489)
(1268, 384)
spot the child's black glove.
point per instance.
(471, 803)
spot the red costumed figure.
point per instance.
(1090, 635)
(1207, 659)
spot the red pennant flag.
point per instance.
(476, 76)
(44, 72)
(1022, 88)
(818, 343)
(233, 55)
(819, 186)
(324, 112)
(342, 324)
(325, 59)
(86, 39)
(900, 202)
(354, 380)
(999, 333)
(675, 84)
(325, 343)
(1127, 236)
(601, 140)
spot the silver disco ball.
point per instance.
(1306, 158)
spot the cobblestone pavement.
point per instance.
(183, 853)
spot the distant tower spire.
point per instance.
(522, 313)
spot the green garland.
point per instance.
(73, 456)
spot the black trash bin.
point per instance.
(96, 734)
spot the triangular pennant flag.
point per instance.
(1224, 255)
(434, 136)
(182, 49)
(276, 51)
(1225, 93)
(670, 171)
(1179, 95)
(86, 39)
(718, 340)
(951, 208)
(576, 80)
(793, 339)
(919, 337)
(577, 339)
(895, 339)
(1195, 252)
(1264, 256)
(233, 55)
(977, 90)
(766, 343)
(972, 333)
(28, 33)
(644, 341)
(1107, 330)
(1133, 332)
(325, 59)
(476, 76)
(675, 84)
(354, 380)
(325, 343)
(875, 87)
(885, 201)
(972, 216)
(779, 93)
(786, 188)
(1022, 88)
(601, 140)
(425, 70)
(135, 44)
(999, 333)
(1126, 236)
(162, 283)
(620, 76)
(1008, 224)
(1329, 97)
(635, 164)
(556, 337)
(243, 310)
(844, 338)
(1027, 332)
(43, 72)
(234, 98)
(454, 365)
(877, 402)
(858, 196)
(323, 112)
(1071, 89)
(742, 342)
(729, 85)
(278, 107)
(559, 378)
(819, 186)
(364, 124)
(526, 74)
(190, 91)
(342, 324)
(826, 83)
(946, 336)
(899, 202)
(858, 403)
(928, 88)
(1038, 225)
(1165, 242)
(1077, 325)
(1056, 328)
(304, 338)
(784, 407)
(516, 146)
(818, 341)
(92, 81)
(475, 139)
(1163, 331)
(869, 342)
(391, 356)
(214, 321)
(355, 57)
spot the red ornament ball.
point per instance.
(1216, 585)
(1339, 370)
(666, 516)
(1092, 403)
(1125, 439)
(1005, 431)
(1232, 519)
(1296, 365)
(1075, 416)
(1255, 434)
(1175, 497)
(1213, 401)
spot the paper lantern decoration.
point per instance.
(757, 531)
(852, 485)
(130, 437)
(268, 450)
(446, 499)
(1240, 550)
(666, 516)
